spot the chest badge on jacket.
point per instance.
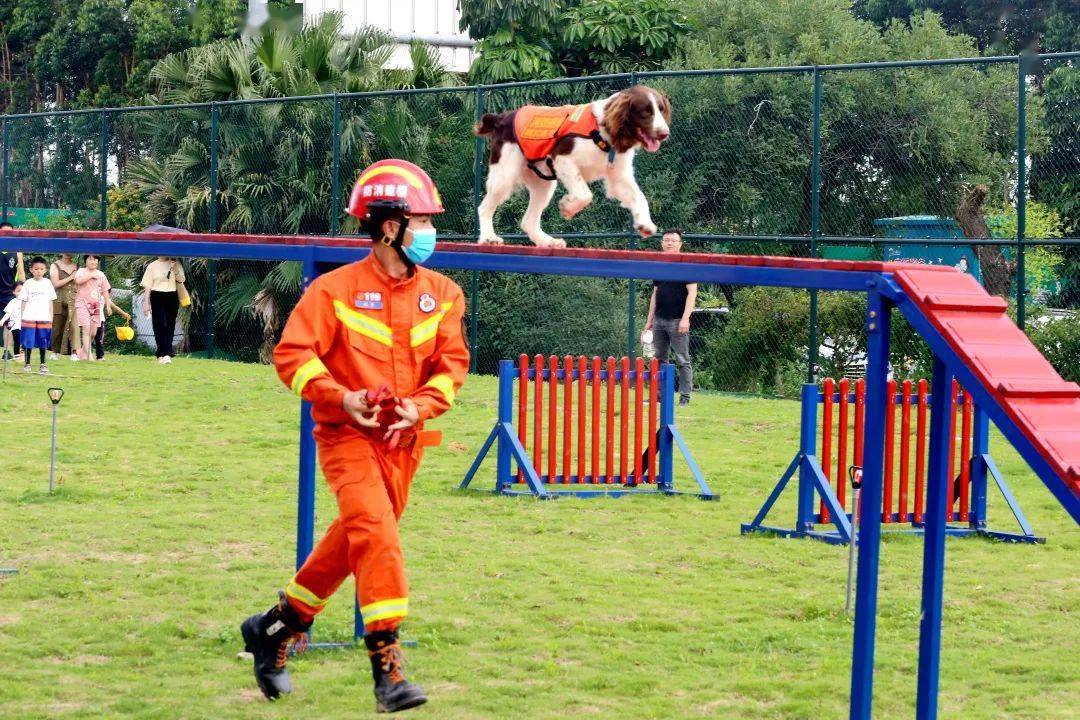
(427, 303)
(369, 300)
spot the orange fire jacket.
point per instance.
(356, 328)
(538, 127)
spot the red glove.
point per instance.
(386, 417)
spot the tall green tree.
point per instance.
(998, 26)
(529, 39)
(275, 159)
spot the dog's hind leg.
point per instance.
(540, 193)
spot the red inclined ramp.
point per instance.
(1044, 407)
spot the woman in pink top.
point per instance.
(93, 290)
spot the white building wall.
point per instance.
(433, 21)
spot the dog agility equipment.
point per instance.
(904, 491)
(575, 399)
(967, 330)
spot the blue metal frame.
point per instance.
(811, 479)
(305, 495)
(883, 294)
(510, 450)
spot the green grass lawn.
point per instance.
(176, 519)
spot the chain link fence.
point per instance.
(865, 161)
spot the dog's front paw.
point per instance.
(489, 240)
(645, 229)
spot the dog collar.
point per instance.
(604, 145)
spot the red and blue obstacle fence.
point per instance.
(843, 407)
(597, 428)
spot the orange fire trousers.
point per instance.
(372, 487)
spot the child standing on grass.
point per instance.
(10, 323)
(99, 338)
(89, 302)
(37, 297)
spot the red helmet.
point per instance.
(395, 185)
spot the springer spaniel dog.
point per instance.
(575, 144)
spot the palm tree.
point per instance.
(275, 158)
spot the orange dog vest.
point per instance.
(538, 128)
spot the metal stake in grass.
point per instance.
(855, 473)
(55, 395)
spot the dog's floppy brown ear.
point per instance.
(617, 121)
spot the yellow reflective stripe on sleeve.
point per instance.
(301, 593)
(364, 325)
(305, 373)
(428, 329)
(445, 385)
(383, 609)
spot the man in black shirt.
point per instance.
(11, 271)
(669, 319)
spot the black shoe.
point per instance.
(267, 637)
(392, 691)
(684, 399)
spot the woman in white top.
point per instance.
(162, 302)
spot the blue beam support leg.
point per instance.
(933, 583)
(805, 516)
(980, 435)
(305, 510)
(506, 417)
(862, 657)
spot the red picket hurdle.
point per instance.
(564, 425)
(821, 464)
(576, 443)
(900, 444)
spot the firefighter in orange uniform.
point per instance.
(385, 324)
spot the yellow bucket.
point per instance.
(124, 333)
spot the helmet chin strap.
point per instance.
(398, 243)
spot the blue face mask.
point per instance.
(423, 245)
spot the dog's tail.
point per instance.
(489, 123)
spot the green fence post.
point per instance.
(631, 302)
(1021, 187)
(474, 289)
(4, 172)
(104, 169)
(815, 223)
(211, 267)
(335, 182)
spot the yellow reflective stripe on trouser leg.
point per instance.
(305, 373)
(428, 329)
(385, 609)
(445, 385)
(361, 323)
(298, 592)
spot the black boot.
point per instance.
(392, 691)
(267, 637)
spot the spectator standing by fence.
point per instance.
(11, 324)
(65, 329)
(37, 297)
(11, 272)
(669, 319)
(89, 303)
(108, 308)
(162, 302)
